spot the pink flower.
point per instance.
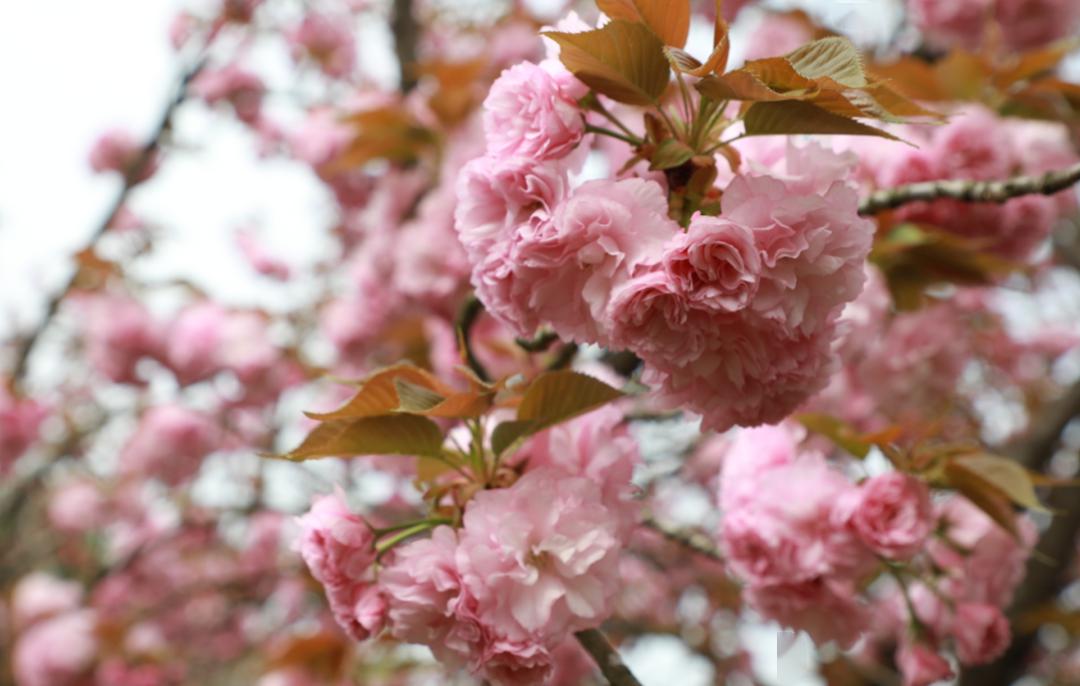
(981, 633)
(193, 341)
(749, 376)
(651, 315)
(38, 596)
(169, 443)
(995, 562)
(891, 514)
(240, 88)
(118, 151)
(786, 533)
(359, 609)
(20, 422)
(753, 454)
(337, 545)
(961, 22)
(921, 665)
(813, 247)
(599, 447)
(428, 603)
(76, 507)
(1031, 24)
(39, 660)
(498, 196)
(541, 557)
(327, 41)
(777, 34)
(527, 114)
(118, 333)
(715, 263)
(602, 235)
(826, 609)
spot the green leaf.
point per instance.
(552, 398)
(1006, 475)
(795, 117)
(624, 61)
(507, 434)
(834, 57)
(400, 434)
(668, 19)
(671, 153)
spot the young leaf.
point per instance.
(668, 19)
(555, 397)
(834, 57)
(552, 398)
(623, 60)
(838, 431)
(984, 495)
(400, 434)
(795, 117)
(670, 154)
(378, 394)
(1004, 474)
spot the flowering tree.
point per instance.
(620, 338)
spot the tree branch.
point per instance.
(694, 540)
(131, 179)
(1048, 568)
(607, 658)
(470, 312)
(971, 191)
(406, 38)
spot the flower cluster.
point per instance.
(734, 316)
(805, 539)
(530, 564)
(1026, 24)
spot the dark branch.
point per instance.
(971, 191)
(607, 658)
(1048, 569)
(406, 39)
(470, 312)
(131, 179)
(694, 540)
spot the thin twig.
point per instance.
(607, 658)
(694, 540)
(131, 179)
(971, 191)
(470, 312)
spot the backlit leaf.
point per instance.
(400, 434)
(624, 61)
(378, 394)
(671, 153)
(983, 495)
(668, 19)
(834, 57)
(1006, 475)
(795, 117)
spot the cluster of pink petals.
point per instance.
(1024, 24)
(118, 332)
(119, 151)
(169, 444)
(738, 321)
(57, 652)
(528, 114)
(802, 536)
(530, 565)
(339, 550)
(20, 422)
(326, 40)
(241, 89)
